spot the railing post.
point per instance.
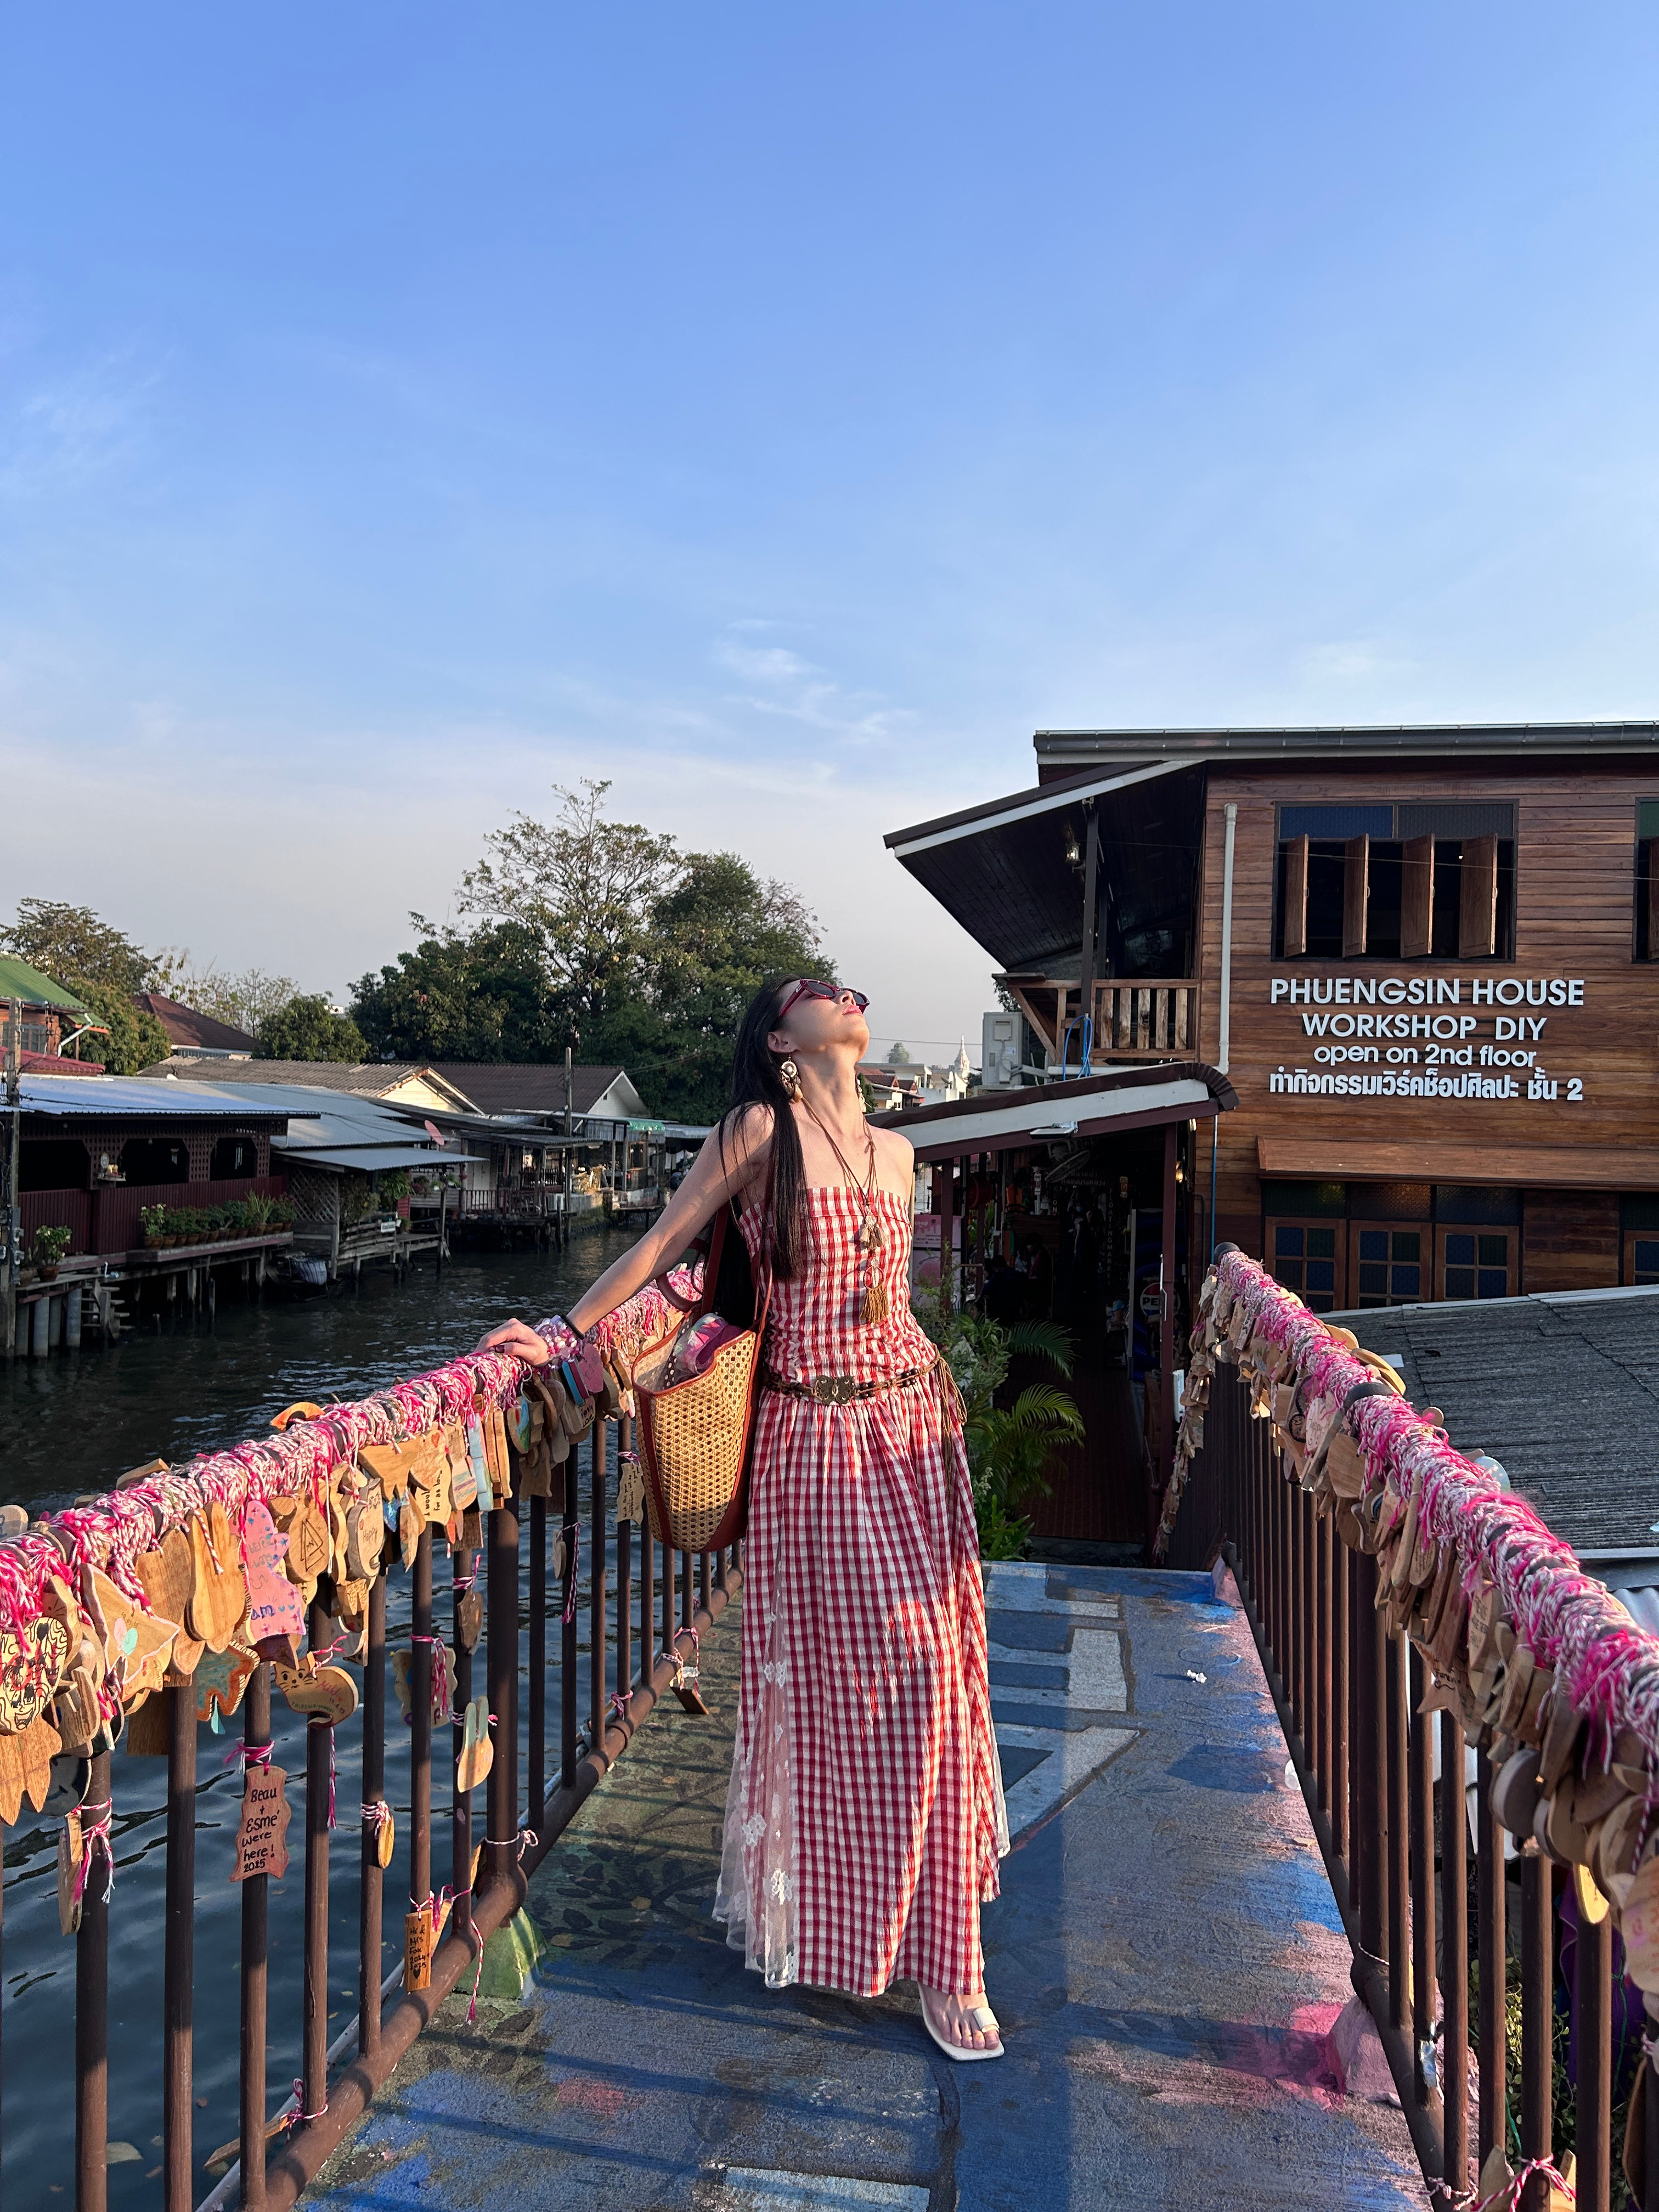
(502, 1785)
(463, 1574)
(1493, 1939)
(92, 2013)
(537, 1745)
(1593, 1992)
(596, 1588)
(1369, 1751)
(1455, 1938)
(256, 1738)
(567, 1685)
(371, 1896)
(1398, 1830)
(1537, 2019)
(319, 1749)
(420, 1728)
(1337, 1749)
(178, 2111)
(1321, 1692)
(1421, 1798)
(1296, 1642)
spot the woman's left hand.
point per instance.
(518, 1339)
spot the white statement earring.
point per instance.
(789, 1076)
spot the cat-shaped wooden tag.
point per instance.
(330, 1694)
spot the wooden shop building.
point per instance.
(1424, 959)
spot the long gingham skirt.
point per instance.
(864, 1817)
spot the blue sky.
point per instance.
(783, 411)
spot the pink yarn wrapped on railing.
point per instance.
(111, 1533)
(1567, 1620)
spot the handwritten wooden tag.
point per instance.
(262, 1838)
(308, 1546)
(365, 1538)
(1640, 1926)
(274, 1606)
(33, 1659)
(70, 1850)
(417, 1950)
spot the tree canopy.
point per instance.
(306, 1028)
(603, 936)
(103, 968)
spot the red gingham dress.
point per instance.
(865, 1818)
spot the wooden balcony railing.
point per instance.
(1150, 1018)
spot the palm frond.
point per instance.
(1042, 1405)
(1043, 1340)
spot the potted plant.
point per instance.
(153, 1220)
(50, 1246)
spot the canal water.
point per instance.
(72, 1424)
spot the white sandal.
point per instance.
(982, 2019)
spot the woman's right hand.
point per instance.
(518, 1340)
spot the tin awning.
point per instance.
(1098, 1106)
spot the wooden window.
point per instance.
(1295, 909)
(1416, 898)
(1307, 1257)
(1356, 894)
(1641, 1256)
(1477, 910)
(1647, 879)
(1479, 1261)
(1387, 1263)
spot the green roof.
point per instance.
(19, 980)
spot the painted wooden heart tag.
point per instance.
(70, 1850)
(262, 1838)
(274, 1606)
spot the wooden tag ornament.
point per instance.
(274, 1606)
(136, 1644)
(33, 1662)
(330, 1694)
(221, 1683)
(167, 1576)
(469, 1620)
(220, 1598)
(262, 1838)
(477, 1753)
(417, 1949)
(70, 1850)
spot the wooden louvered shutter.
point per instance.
(1356, 892)
(1295, 940)
(1477, 905)
(1417, 899)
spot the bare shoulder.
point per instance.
(741, 1142)
(897, 1155)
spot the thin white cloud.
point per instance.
(68, 431)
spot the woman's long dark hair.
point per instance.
(755, 1082)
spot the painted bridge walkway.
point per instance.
(1166, 1960)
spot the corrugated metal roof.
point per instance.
(19, 980)
(1563, 1390)
(371, 1158)
(123, 1097)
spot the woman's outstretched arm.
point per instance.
(713, 1179)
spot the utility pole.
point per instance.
(11, 1216)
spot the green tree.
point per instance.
(460, 996)
(103, 968)
(583, 889)
(306, 1029)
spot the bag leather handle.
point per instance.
(711, 1266)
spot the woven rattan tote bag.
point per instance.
(695, 1429)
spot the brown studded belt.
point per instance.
(842, 1389)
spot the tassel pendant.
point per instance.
(874, 1306)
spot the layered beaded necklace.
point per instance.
(870, 1236)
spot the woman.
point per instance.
(866, 1816)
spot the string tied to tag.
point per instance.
(376, 1815)
(250, 1755)
(1508, 2195)
(525, 1840)
(94, 1835)
(620, 1702)
(441, 1709)
(298, 2116)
